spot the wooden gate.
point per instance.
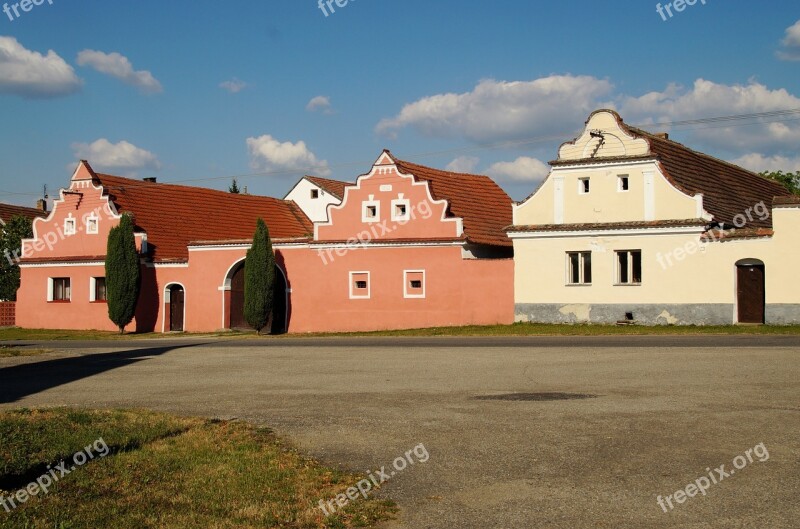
(176, 305)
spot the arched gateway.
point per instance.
(234, 300)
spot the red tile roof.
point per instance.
(174, 215)
(334, 187)
(9, 210)
(483, 205)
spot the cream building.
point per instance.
(631, 226)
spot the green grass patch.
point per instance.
(10, 352)
(167, 472)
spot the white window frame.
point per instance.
(353, 294)
(365, 205)
(93, 289)
(581, 269)
(618, 270)
(70, 226)
(51, 290)
(407, 286)
(620, 179)
(96, 229)
(584, 189)
(400, 201)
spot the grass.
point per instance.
(167, 472)
(10, 352)
(516, 329)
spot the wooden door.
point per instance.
(176, 302)
(751, 293)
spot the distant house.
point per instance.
(404, 246)
(7, 211)
(631, 226)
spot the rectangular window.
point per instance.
(359, 285)
(623, 183)
(579, 270)
(315, 193)
(414, 284)
(629, 267)
(69, 226)
(61, 290)
(91, 225)
(98, 289)
(583, 186)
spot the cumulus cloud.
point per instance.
(320, 104)
(268, 154)
(234, 86)
(463, 164)
(791, 44)
(119, 67)
(760, 163)
(497, 110)
(30, 74)
(119, 157)
(523, 169)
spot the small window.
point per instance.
(623, 183)
(61, 289)
(579, 268)
(91, 225)
(69, 226)
(629, 267)
(414, 284)
(583, 186)
(315, 193)
(400, 210)
(359, 285)
(98, 289)
(372, 212)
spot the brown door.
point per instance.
(751, 297)
(237, 300)
(176, 308)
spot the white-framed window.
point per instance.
(401, 209)
(623, 183)
(69, 226)
(360, 285)
(371, 210)
(92, 225)
(97, 289)
(584, 186)
(579, 268)
(414, 281)
(629, 267)
(59, 289)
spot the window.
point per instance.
(414, 284)
(583, 186)
(371, 210)
(91, 225)
(60, 289)
(97, 290)
(315, 193)
(579, 268)
(623, 183)
(400, 209)
(359, 285)
(629, 267)
(69, 226)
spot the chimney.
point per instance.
(151, 179)
(41, 205)
(663, 135)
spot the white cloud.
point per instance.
(268, 154)
(321, 104)
(709, 99)
(30, 74)
(122, 157)
(463, 164)
(119, 67)
(497, 110)
(791, 44)
(760, 163)
(523, 169)
(234, 86)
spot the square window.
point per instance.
(583, 186)
(315, 193)
(629, 267)
(401, 208)
(69, 226)
(623, 183)
(359, 285)
(414, 284)
(60, 289)
(91, 225)
(579, 268)
(372, 212)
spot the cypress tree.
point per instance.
(122, 273)
(259, 279)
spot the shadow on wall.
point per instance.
(149, 299)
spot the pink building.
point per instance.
(405, 246)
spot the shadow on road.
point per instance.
(20, 381)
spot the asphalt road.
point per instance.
(662, 410)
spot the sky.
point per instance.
(197, 92)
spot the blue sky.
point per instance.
(200, 91)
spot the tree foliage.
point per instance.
(122, 273)
(234, 187)
(259, 279)
(11, 235)
(790, 180)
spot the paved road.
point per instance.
(663, 411)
